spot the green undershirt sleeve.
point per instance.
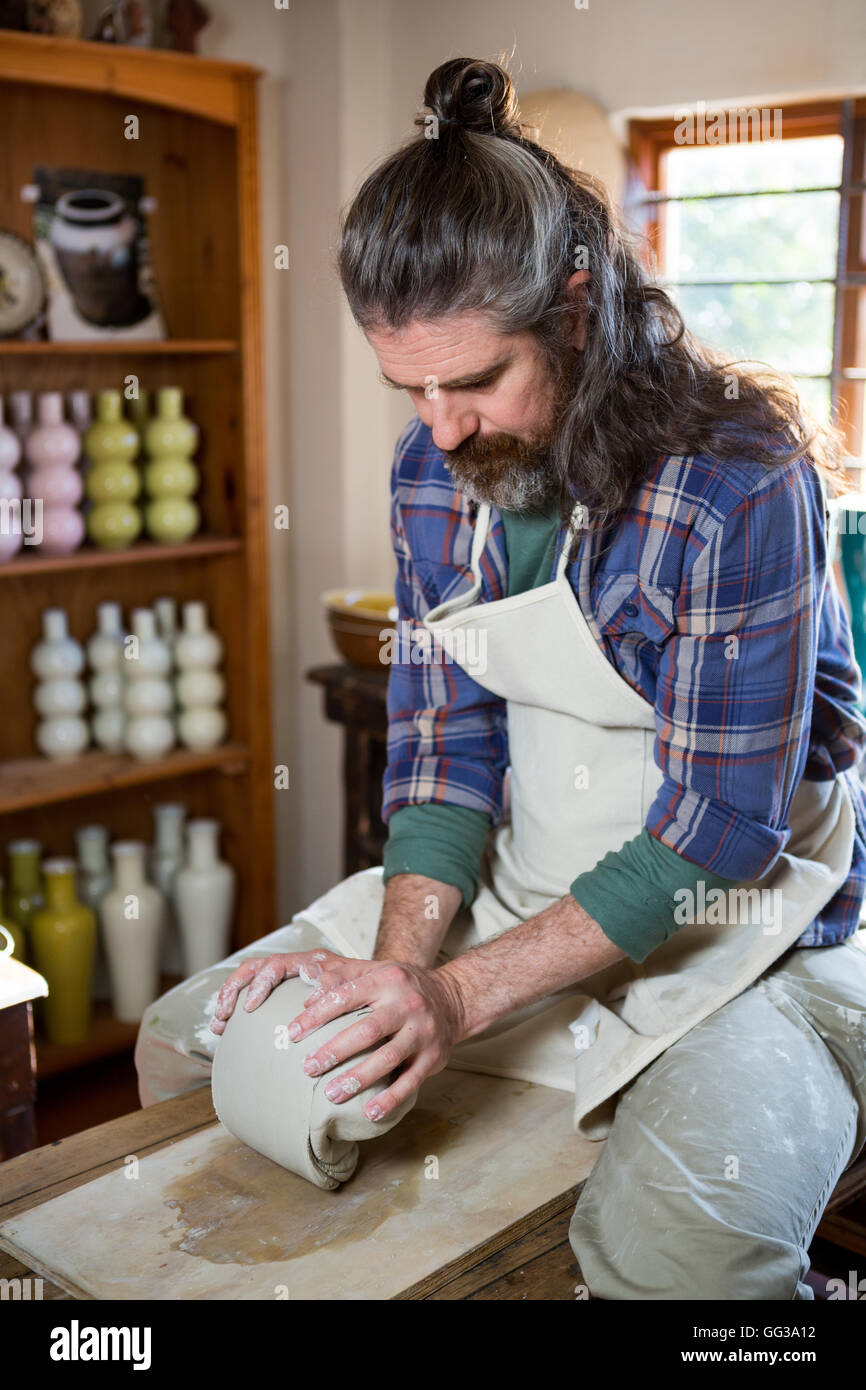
(630, 893)
(439, 841)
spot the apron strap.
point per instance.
(479, 539)
(576, 522)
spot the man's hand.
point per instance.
(264, 973)
(416, 1014)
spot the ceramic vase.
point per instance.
(138, 410)
(148, 698)
(200, 686)
(94, 880)
(131, 914)
(54, 482)
(105, 655)
(204, 891)
(166, 625)
(63, 939)
(113, 482)
(60, 697)
(21, 422)
(25, 894)
(15, 930)
(21, 414)
(11, 491)
(166, 857)
(171, 478)
(81, 416)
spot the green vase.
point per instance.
(15, 930)
(171, 477)
(25, 894)
(138, 410)
(63, 939)
(113, 482)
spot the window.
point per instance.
(756, 222)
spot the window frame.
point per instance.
(648, 142)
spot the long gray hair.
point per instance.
(472, 215)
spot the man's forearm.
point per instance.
(548, 952)
(416, 914)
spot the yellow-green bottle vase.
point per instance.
(164, 438)
(171, 477)
(117, 481)
(111, 440)
(63, 938)
(114, 525)
(19, 937)
(172, 519)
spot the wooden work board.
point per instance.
(479, 1165)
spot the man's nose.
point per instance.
(449, 422)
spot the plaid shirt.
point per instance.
(704, 554)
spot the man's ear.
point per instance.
(576, 289)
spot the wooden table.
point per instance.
(529, 1259)
(17, 1080)
(356, 698)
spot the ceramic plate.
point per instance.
(21, 287)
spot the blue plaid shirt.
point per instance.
(704, 551)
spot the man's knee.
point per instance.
(632, 1249)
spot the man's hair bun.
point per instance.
(474, 96)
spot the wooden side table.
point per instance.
(356, 698)
(17, 1081)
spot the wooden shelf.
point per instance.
(165, 347)
(108, 1037)
(28, 782)
(143, 552)
(66, 100)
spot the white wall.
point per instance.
(343, 80)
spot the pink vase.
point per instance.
(52, 450)
(11, 532)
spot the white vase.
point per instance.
(131, 913)
(94, 880)
(148, 698)
(204, 893)
(21, 414)
(166, 625)
(165, 859)
(166, 621)
(105, 655)
(59, 698)
(57, 654)
(21, 421)
(201, 723)
(11, 492)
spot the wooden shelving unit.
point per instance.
(180, 348)
(64, 103)
(28, 562)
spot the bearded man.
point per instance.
(633, 798)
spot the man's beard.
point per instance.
(514, 475)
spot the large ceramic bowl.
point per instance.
(356, 618)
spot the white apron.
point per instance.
(582, 779)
